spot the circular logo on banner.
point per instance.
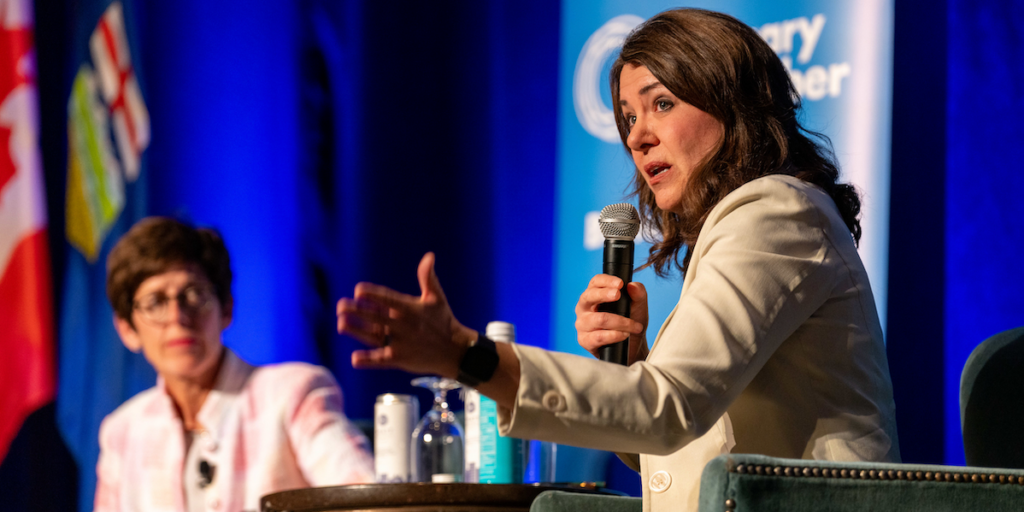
(596, 117)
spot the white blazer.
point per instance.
(268, 429)
(774, 347)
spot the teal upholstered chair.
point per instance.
(992, 402)
(561, 501)
(756, 483)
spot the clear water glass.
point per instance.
(541, 463)
(437, 441)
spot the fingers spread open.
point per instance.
(383, 296)
(376, 358)
(364, 321)
(430, 286)
(369, 334)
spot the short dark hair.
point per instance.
(156, 244)
(723, 67)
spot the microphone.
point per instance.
(619, 225)
(206, 472)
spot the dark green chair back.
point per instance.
(561, 501)
(992, 402)
(756, 483)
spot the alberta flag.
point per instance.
(26, 319)
(108, 132)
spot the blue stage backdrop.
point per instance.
(840, 57)
(984, 184)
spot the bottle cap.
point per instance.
(501, 331)
(393, 398)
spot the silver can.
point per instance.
(394, 417)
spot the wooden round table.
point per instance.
(417, 497)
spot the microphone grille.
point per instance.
(619, 221)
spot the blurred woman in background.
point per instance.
(215, 432)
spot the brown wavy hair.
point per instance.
(155, 245)
(721, 66)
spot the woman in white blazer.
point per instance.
(214, 433)
(774, 347)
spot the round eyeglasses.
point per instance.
(156, 307)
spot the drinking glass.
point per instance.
(540, 464)
(437, 454)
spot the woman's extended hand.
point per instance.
(595, 329)
(416, 334)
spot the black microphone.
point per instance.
(619, 225)
(206, 473)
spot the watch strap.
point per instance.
(479, 362)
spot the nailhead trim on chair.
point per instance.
(863, 474)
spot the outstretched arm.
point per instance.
(419, 334)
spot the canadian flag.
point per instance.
(26, 317)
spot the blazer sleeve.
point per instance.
(755, 276)
(329, 449)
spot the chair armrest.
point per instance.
(756, 483)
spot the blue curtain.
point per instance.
(338, 142)
(984, 236)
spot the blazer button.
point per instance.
(660, 481)
(554, 401)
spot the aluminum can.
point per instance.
(394, 417)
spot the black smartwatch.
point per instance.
(479, 362)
